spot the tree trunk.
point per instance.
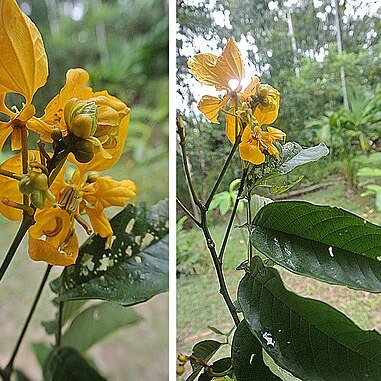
(339, 51)
(291, 33)
(101, 35)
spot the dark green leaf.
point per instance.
(276, 369)
(308, 338)
(66, 364)
(247, 357)
(204, 350)
(216, 330)
(96, 322)
(322, 242)
(68, 310)
(132, 270)
(221, 366)
(41, 351)
(20, 376)
(304, 156)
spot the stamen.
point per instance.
(16, 205)
(56, 230)
(70, 199)
(66, 242)
(83, 223)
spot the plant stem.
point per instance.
(58, 336)
(26, 223)
(9, 368)
(15, 176)
(218, 266)
(187, 212)
(234, 211)
(222, 173)
(24, 160)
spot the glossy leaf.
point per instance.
(277, 370)
(41, 351)
(322, 242)
(23, 62)
(95, 323)
(247, 357)
(221, 366)
(304, 156)
(308, 338)
(132, 270)
(66, 364)
(203, 350)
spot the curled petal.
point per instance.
(5, 131)
(233, 126)
(99, 222)
(211, 106)
(40, 250)
(251, 152)
(23, 61)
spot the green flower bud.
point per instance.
(81, 118)
(39, 181)
(56, 134)
(83, 150)
(38, 198)
(24, 186)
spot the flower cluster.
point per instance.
(87, 128)
(247, 110)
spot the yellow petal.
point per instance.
(73, 88)
(211, 106)
(268, 114)
(203, 67)
(106, 192)
(251, 89)
(230, 62)
(3, 108)
(99, 222)
(23, 62)
(98, 163)
(5, 131)
(249, 148)
(233, 125)
(40, 250)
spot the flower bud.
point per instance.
(24, 186)
(38, 198)
(39, 181)
(92, 177)
(56, 134)
(263, 91)
(81, 118)
(83, 150)
(180, 369)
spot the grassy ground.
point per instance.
(122, 356)
(199, 303)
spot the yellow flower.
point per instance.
(23, 67)
(112, 117)
(219, 71)
(53, 239)
(255, 142)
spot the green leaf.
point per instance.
(66, 364)
(369, 172)
(41, 351)
(95, 323)
(247, 358)
(68, 310)
(304, 156)
(225, 205)
(322, 242)
(306, 337)
(257, 202)
(277, 370)
(216, 330)
(278, 189)
(133, 270)
(222, 367)
(203, 350)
